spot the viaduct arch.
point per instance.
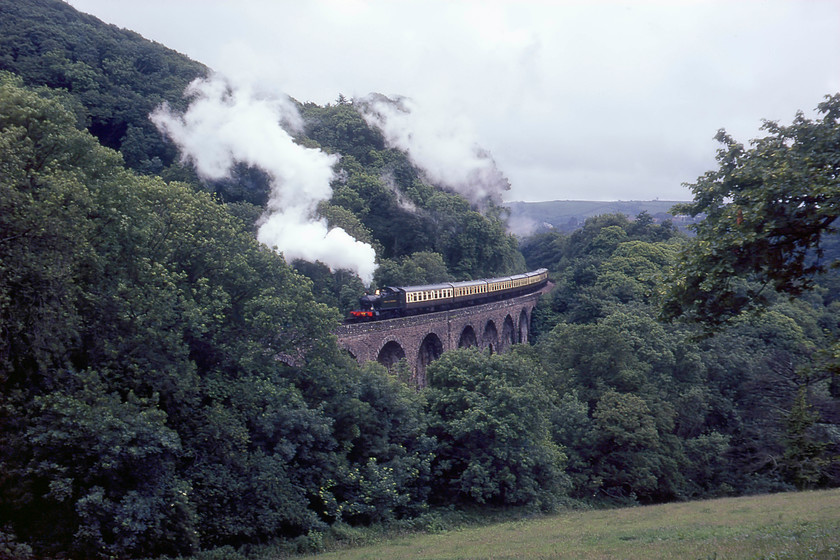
(421, 339)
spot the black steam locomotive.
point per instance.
(393, 302)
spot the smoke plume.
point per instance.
(225, 125)
(445, 151)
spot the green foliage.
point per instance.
(625, 448)
(634, 270)
(115, 74)
(110, 469)
(339, 289)
(11, 548)
(414, 270)
(608, 263)
(380, 194)
(658, 412)
(767, 208)
(492, 423)
(633, 452)
(769, 212)
(342, 128)
(804, 457)
(160, 367)
(473, 245)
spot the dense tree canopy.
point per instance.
(159, 366)
(113, 79)
(492, 422)
(648, 411)
(404, 215)
(117, 76)
(768, 209)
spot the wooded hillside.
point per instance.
(171, 386)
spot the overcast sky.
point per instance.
(575, 100)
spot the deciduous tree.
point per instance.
(767, 209)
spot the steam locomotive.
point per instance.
(393, 302)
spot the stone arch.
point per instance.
(490, 338)
(467, 338)
(430, 350)
(524, 326)
(508, 334)
(390, 354)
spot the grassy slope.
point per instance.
(793, 525)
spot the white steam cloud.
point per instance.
(225, 125)
(446, 151)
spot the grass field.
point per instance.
(792, 525)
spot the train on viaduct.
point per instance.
(421, 339)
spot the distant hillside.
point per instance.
(567, 215)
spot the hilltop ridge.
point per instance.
(568, 215)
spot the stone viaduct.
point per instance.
(421, 339)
